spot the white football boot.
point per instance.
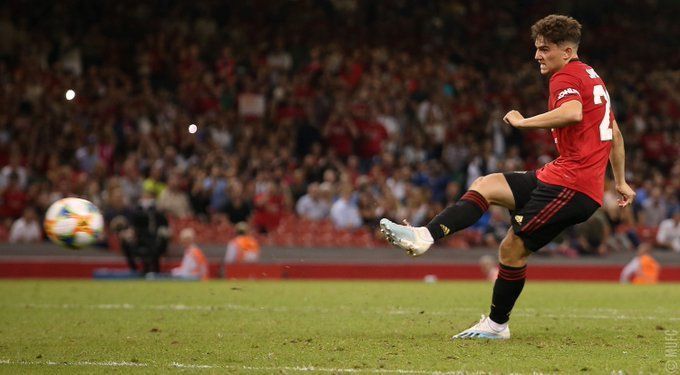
(415, 240)
(482, 330)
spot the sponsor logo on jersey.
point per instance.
(566, 92)
(445, 229)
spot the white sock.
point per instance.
(495, 326)
(424, 234)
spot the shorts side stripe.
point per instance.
(545, 218)
(548, 207)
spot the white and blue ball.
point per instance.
(73, 223)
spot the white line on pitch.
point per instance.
(77, 363)
(235, 367)
(576, 313)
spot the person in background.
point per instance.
(13, 199)
(14, 168)
(26, 228)
(145, 235)
(244, 248)
(643, 269)
(154, 183)
(654, 208)
(173, 200)
(592, 235)
(194, 265)
(489, 268)
(238, 208)
(270, 205)
(668, 235)
(345, 212)
(313, 206)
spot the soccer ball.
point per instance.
(73, 223)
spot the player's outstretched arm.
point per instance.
(617, 158)
(569, 113)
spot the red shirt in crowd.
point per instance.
(269, 210)
(372, 134)
(14, 201)
(339, 135)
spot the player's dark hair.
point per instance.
(556, 29)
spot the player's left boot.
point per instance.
(412, 239)
(483, 330)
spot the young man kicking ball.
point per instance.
(544, 202)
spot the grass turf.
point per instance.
(329, 327)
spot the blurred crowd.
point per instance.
(337, 110)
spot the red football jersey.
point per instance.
(584, 147)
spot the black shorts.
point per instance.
(543, 211)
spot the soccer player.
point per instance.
(544, 202)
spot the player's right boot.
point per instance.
(483, 330)
(411, 239)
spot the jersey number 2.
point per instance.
(599, 93)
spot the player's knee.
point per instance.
(489, 187)
(487, 183)
(477, 184)
(512, 251)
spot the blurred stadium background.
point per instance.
(313, 120)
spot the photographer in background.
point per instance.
(144, 235)
(643, 269)
(243, 248)
(194, 265)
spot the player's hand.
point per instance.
(513, 118)
(627, 194)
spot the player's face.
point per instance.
(550, 56)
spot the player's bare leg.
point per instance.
(512, 255)
(495, 189)
(512, 252)
(490, 189)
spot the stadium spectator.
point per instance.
(194, 265)
(271, 203)
(313, 206)
(643, 269)
(592, 235)
(172, 200)
(238, 208)
(244, 248)
(14, 198)
(654, 208)
(668, 235)
(345, 211)
(26, 228)
(14, 168)
(154, 183)
(216, 186)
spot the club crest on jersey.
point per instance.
(566, 92)
(518, 219)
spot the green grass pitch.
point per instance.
(330, 327)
